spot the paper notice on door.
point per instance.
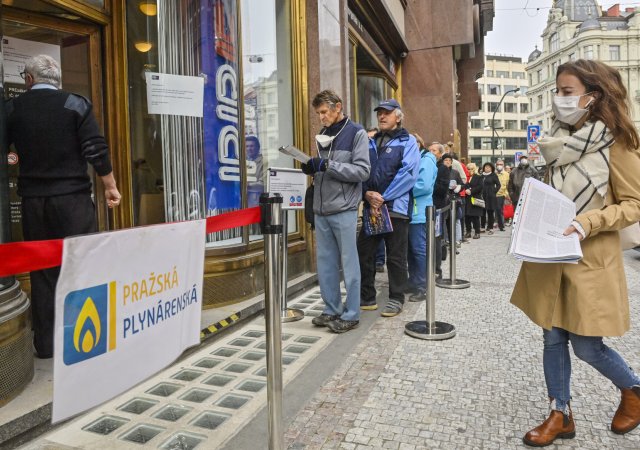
(177, 95)
(16, 52)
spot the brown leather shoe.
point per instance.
(556, 426)
(627, 416)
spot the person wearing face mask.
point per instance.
(593, 158)
(501, 195)
(394, 172)
(340, 166)
(490, 187)
(517, 176)
(473, 190)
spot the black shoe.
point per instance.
(341, 326)
(418, 297)
(323, 319)
(408, 290)
(501, 229)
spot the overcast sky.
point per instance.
(516, 31)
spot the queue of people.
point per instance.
(389, 171)
(590, 150)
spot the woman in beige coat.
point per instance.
(593, 158)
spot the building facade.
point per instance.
(581, 30)
(262, 61)
(499, 129)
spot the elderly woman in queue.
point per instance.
(490, 187)
(593, 158)
(473, 212)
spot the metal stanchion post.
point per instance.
(430, 329)
(452, 282)
(288, 314)
(271, 227)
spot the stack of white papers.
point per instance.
(541, 216)
(295, 153)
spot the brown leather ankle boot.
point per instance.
(627, 416)
(557, 425)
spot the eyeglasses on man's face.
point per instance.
(23, 74)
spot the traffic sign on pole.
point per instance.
(533, 133)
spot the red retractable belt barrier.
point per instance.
(29, 256)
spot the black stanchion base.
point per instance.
(292, 315)
(446, 283)
(436, 331)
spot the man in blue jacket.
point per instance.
(393, 174)
(340, 165)
(422, 197)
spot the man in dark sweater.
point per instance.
(55, 134)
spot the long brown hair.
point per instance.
(611, 105)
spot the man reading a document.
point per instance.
(340, 166)
(593, 159)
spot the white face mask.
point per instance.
(499, 168)
(323, 140)
(567, 110)
(524, 162)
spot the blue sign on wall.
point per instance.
(219, 24)
(533, 133)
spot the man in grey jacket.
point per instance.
(340, 165)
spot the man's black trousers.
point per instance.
(396, 243)
(52, 218)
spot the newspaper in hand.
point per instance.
(541, 216)
(295, 153)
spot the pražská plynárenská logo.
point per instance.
(89, 323)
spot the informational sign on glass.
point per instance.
(15, 54)
(177, 95)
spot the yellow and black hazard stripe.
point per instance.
(218, 326)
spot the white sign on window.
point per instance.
(15, 53)
(290, 183)
(177, 95)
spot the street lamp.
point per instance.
(493, 121)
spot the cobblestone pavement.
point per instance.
(482, 389)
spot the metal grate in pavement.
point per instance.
(205, 399)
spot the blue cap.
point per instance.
(389, 105)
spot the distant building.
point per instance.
(509, 131)
(580, 29)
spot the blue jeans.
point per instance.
(590, 349)
(336, 246)
(417, 257)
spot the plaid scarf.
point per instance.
(579, 162)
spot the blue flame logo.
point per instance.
(86, 323)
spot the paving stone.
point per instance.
(484, 388)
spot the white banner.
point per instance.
(128, 303)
